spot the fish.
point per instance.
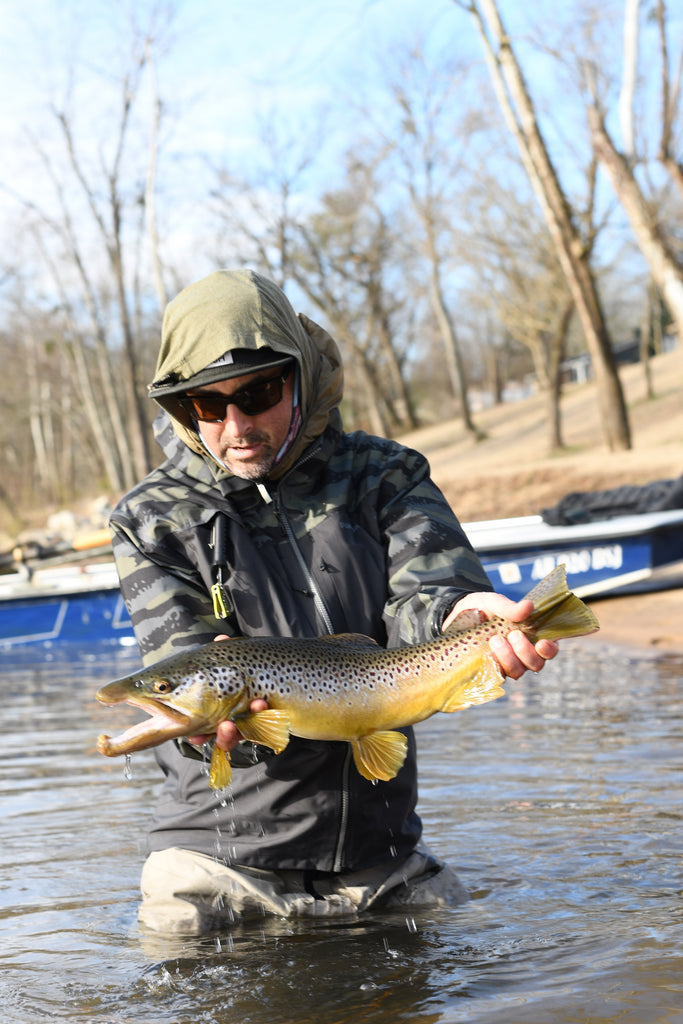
(340, 687)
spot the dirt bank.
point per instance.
(510, 473)
(653, 620)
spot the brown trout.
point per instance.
(341, 687)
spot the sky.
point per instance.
(222, 53)
(227, 65)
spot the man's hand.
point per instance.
(515, 653)
(227, 733)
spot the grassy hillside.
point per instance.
(510, 473)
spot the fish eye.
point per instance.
(162, 686)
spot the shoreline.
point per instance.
(652, 620)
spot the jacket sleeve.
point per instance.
(430, 561)
(169, 603)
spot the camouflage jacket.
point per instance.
(354, 537)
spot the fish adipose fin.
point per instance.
(270, 727)
(485, 683)
(380, 755)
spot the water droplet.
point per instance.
(127, 769)
(411, 925)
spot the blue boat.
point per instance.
(71, 604)
(621, 555)
(83, 604)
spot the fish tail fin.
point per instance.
(380, 755)
(557, 612)
(269, 727)
(220, 769)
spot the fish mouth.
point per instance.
(164, 723)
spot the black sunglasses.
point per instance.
(251, 400)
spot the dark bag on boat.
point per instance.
(629, 500)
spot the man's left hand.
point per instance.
(515, 653)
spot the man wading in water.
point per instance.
(267, 519)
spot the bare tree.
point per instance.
(427, 141)
(93, 225)
(339, 251)
(109, 216)
(518, 108)
(258, 212)
(345, 263)
(670, 98)
(643, 209)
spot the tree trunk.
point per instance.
(519, 111)
(663, 266)
(454, 360)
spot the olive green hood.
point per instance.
(240, 309)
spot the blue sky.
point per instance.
(227, 63)
(271, 49)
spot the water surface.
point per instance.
(560, 806)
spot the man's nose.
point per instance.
(235, 422)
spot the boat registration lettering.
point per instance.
(608, 556)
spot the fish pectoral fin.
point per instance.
(220, 769)
(269, 727)
(485, 684)
(380, 755)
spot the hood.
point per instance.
(242, 309)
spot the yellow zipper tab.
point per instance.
(220, 608)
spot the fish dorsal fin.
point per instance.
(269, 727)
(380, 755)
(483, 685)
(470, 618)
(349, 640)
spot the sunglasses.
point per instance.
(251, 400)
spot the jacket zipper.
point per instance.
(326, 618)
(343, 813)
(318, 599)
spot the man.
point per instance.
(267, 519)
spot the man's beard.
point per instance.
(257, 469)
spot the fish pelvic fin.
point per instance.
(484, 684)
(557, 612)
(220, 769)
(269, 727)
(380, 755)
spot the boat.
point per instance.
(82, 603)
(619, 555)
(77, 604)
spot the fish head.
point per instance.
(181, 699)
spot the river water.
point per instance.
(560, 805)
